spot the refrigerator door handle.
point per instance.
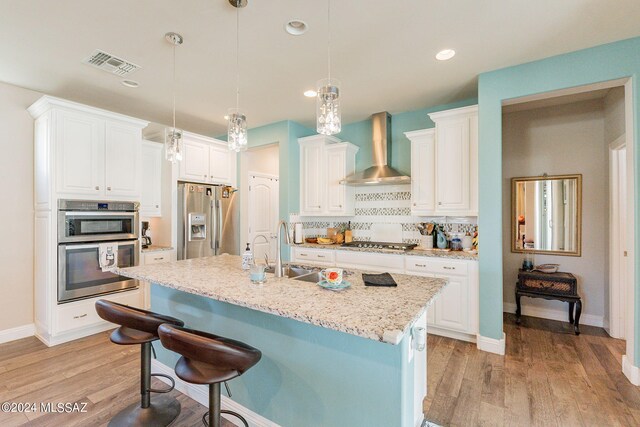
(219, 234)
(213, 232)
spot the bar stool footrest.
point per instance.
(165, 390)
(224, 411)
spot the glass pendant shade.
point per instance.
(328, 113)
(173, 144)
(237, 130)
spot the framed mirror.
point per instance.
(546, 215)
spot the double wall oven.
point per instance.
(86, 231)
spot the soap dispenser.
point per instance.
(247, 258)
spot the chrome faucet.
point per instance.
(278, 268)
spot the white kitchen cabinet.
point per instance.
(370, 261)
(157, 257)
(207, 160)
(96, 152)
(151, 193)
(122, 160)
(324, 162)
(456, 161)
(454, 313)
(323, 257)
(423, 171)
(80, 143)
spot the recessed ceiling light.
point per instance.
(445, 54)
(310, 93)
(296, 27)
(226, 117)
(130, 83)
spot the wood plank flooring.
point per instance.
(549, 377)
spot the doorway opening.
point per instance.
(589, 131)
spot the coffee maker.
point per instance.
(146, 240)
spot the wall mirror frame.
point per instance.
(551, 200)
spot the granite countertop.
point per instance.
(156, 248)
(415, 252)
(378, 313)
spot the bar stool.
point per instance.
(209, 359)
(140, 327)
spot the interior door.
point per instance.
(263, 214)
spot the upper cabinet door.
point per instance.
(336, 162)
(423, 171)
(151, 194)
(453, 156)
(80, 153)
(195, 161)
(221, 162)
(123, 145)
(311, 178)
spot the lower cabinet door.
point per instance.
(452, 306)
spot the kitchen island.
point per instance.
(329, 358)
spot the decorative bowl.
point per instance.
(547, 268)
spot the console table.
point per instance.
(551, 286)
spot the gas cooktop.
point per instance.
(381, 245)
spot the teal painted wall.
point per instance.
(308, 376)
(597, 64)
(359, 133)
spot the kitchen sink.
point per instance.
(313, 277)
(291, 271)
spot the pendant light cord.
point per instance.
(329, 40)
(174, 87)
(238, 55)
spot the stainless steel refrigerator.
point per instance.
(207, 221)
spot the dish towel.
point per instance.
(108, 255)
(383, 279)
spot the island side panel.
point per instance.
(308, 375)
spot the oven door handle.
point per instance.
(98, 214)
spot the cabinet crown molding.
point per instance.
(415, 134)
(46, 103)
(319, 138)
(456, 112)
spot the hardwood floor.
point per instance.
(92, 370)
(549, 377)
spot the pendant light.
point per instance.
(172, 135)
(328, 114)
(237, 122)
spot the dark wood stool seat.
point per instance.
(209, 359)
(138, 326)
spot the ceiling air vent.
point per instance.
(109, 63)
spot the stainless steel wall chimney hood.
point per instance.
(380, 173)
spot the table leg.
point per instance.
(571, 305)
(576, 328)
(518, 308)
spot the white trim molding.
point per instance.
(547, 313)
(630, 371)
(17, 333)
(200, 393)
(492, 345)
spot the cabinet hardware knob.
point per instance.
(439, 203)
(158, 259)
(415, 204)
(340, 206)
(81, 316)
(97, 187)
(421, 265)
(205, 176)
(157, 206)
(449, 268)
(303, 254)
(321, 256)
(108, 188)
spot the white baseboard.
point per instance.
(491, 345)
(53, 340)
(434, 330)
(630, 371)
(200, 393)
(546, 313)
(17, 333)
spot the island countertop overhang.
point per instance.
(377, 313)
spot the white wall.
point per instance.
(16, 215)
(264, 159)
(565, 139)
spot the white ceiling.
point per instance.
(383, 51)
